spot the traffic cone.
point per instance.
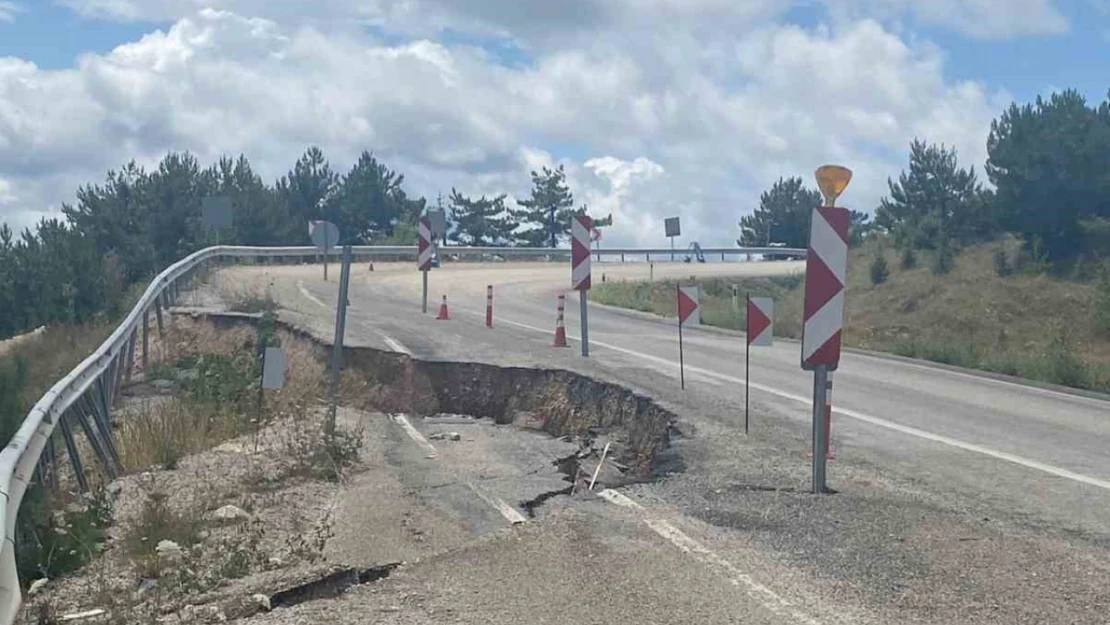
(560, 330)
(443, 310)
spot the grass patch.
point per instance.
(58, 533)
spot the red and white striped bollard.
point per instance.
(489, 306)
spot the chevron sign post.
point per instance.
(580, 227)
(689, 307)
(823, 311)
(424, 255)
(759, 330)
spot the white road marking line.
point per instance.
(619, 499)
(859, 416)
(763, 595)
(403, 421)
(393, 344)
(760, 593)
(310, 296)
(510, 513)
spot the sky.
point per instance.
(655, 108)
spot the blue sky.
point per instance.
(53, 37)
(634, 100)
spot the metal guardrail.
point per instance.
(84, 398)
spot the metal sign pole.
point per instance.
(424, 300)
(820, 377)
(337, 345)
(584, 314)
(681, 361)
(672, 248)
(747, 360)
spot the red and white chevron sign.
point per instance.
(760, 326)
(689, 305)
(826, 264)
(580, 227)
(424, 244)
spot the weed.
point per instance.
(1001, 262)
(879, 270)
(55, 537)
(909, 257)
(1102, 302)
(158, 521)
(251, 300)
(308, 546)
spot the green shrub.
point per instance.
(1001, 262)
(909, 257)
(53, 539)
(879, 271)
(943, 260)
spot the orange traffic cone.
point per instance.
(560, 330)
(443, 310)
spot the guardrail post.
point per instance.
(130, 356)
(146, 338)
(71, 451)
(101, 405)
(94, 442)
(158, 313)
(121, 368)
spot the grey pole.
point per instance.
(337, 345)
(424, 301)
(158, 313)
(820, 377)
(584, 315)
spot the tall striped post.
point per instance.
(560, 329)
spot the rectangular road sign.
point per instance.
(273, 368)
(439, 223)
(672, 226)
(823, 308)
(216, 212)
(580, 226)
(689, 306)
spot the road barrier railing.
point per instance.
(84, 398)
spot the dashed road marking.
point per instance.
(310, 296)
(859, 416)
(763, 595)
(403, 421)
(510, 513)
(394, 344)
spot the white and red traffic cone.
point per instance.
(489, 306)
(443, 314)
(560, 330)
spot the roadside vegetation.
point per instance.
(1025, 323)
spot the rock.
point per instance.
(229, 514)
(275, 562)
(263, 601)
(446, 436)
(168, 549)
(231, 447)
(146, 585)
(164, 386)
(37, 585)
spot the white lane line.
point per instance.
(762, 595)
(510, 513)
(310, 296)
(619, 499)
(859, 416)
(394, 344)
(403, 421)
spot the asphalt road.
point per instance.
(959, 498)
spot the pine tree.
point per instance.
(481, 222)
(548, 211)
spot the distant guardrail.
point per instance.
(84, 398)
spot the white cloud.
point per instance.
(694, 121)
(8, 11)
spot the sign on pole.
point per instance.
(689, 307)
(273, 368)
(424, 255)
(758, 330)
(580, 227)
(438, 220)
(674, 229)
(324, 235)
(759, 326)
(823, 308)
(215, 212)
